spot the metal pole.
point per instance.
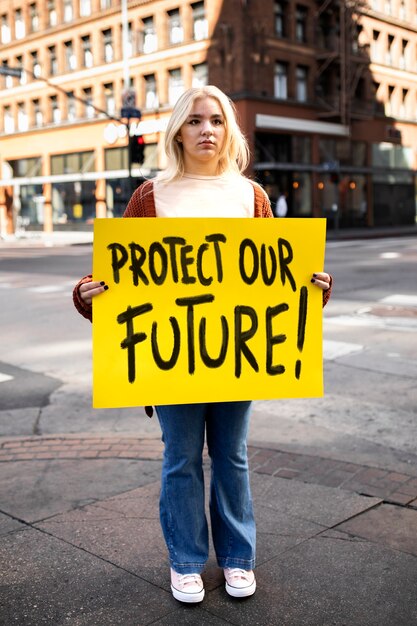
(129, 159)
(125, 43)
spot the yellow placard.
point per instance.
(206, 310)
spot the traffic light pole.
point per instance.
(129, 159)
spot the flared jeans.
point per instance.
(182, 511)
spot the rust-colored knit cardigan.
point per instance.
(142, 204)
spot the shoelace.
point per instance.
(188, 579)
(237, 574)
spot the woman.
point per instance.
(206, 154)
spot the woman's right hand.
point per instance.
(87, 291)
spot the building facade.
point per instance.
(326, 93)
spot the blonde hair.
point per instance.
(234, 155)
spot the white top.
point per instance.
(229, 195)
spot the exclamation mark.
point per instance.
(302, 318)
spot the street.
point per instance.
(366, 415)
(334, 479)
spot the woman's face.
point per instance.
(202, 136)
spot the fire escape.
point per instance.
(342, 62)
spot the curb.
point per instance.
(391, 487)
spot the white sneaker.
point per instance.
(187, 587)
(240, 583)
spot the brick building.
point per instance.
(326, 93)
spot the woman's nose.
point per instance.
(206, 128)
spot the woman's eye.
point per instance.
(218, 122)
(193, 122)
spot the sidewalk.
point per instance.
(81, 542)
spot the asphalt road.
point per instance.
(368, 413)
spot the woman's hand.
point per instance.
(87, 291)
(322, 280)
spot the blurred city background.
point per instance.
(326, 93)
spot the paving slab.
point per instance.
(31, 491)
(322, 505)
(124, 530)
(8, 525)
(391, 526)
(191, 616)
(47, 581)
(328, 582)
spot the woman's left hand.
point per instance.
(322, 280)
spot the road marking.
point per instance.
(46, 289)
(389, 255)
(5, 377)
(336, 349)
(400, 299)
(373, 321)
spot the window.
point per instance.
(5, 30)
(55, 110)
(8, 119)
(22, 117)
(403, 57)
(175, 86)
(33, 18)
(150, 42)
(301, 75)
(110, 103)
(70, 58)
(389, 52)
(280, 25)
(402, 11)
(176, 34)
(301, 24)
(85, 8)
(23, 76)
(53, 61)
(88, 106)
(404, 101)
(375, 53)
(8, 81)
(68, 11)
(52, 14)
(388, 7)
(19, 24)
(200, 75)
(105, 4)
(107, 38)
(37, 113)
(87, 51)
(281, 81)
(389, 104)
(72, 163)
(36, 66)
(71, 108)
(151, 96)
(200, 26)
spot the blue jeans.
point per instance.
(182, 510)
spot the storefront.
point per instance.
(351, 183)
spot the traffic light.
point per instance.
(137, 149)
